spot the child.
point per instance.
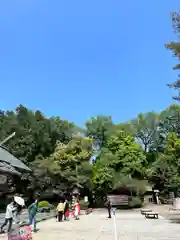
(67, 214)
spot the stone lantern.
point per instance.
(76, 192)
(156, 191)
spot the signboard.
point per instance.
(119, 200)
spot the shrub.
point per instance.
(51, 206)
(84, 205)
(43, 204)
(135, 202)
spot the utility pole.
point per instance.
(8, 138)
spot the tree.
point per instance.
(98, 128)
(175, 48)
(130, 159)
(35, 140)
(102, 180)
(165, 171)
(169, 121)
(127, 129)
(69, 165)
(59, 152)
(145, 129)
(35, 134)
(122, 157)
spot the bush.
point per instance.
(135, 202)
(43, 204)
(84, 205)
(44, 209)
(51, 206)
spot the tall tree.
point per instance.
(126, 129)
(122, 157)
(165, 171)
(98, 128)
(145, 127)
(69, 165)
(175, 48)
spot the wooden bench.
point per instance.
(143, 211)
(174, 216)
(151, 215)
(174, 209)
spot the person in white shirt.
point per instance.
(10, 211)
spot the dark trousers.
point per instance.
(60, 216)
(109, 212)
(9, 222)
(65, 215)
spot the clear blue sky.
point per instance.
(78, 59)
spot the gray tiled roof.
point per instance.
(6, 168)
(7, 157)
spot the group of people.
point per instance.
(63, 210)
(13, 210)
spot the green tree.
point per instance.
(70, 164)
(35, 139)
(169, 121)
(130, 159)
(165, 171)
(98, 128)
(175, 48)
(145, 128)
(127, 129)
(35, 134)
(122, 157)
(103, 178)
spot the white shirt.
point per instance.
(10, 211)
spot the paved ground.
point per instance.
(2, 216)
(24, 217)
(130, 226)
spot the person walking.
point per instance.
(10, 213)
(66, 209)
(73, 205)
(77, 209)
(109, 207)
(60, 210)
(32, 211)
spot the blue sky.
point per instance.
(78, 59)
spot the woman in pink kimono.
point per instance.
(77, 209)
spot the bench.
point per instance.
(151, 215)
(143, 211)
(174, 209)
(174, 216)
